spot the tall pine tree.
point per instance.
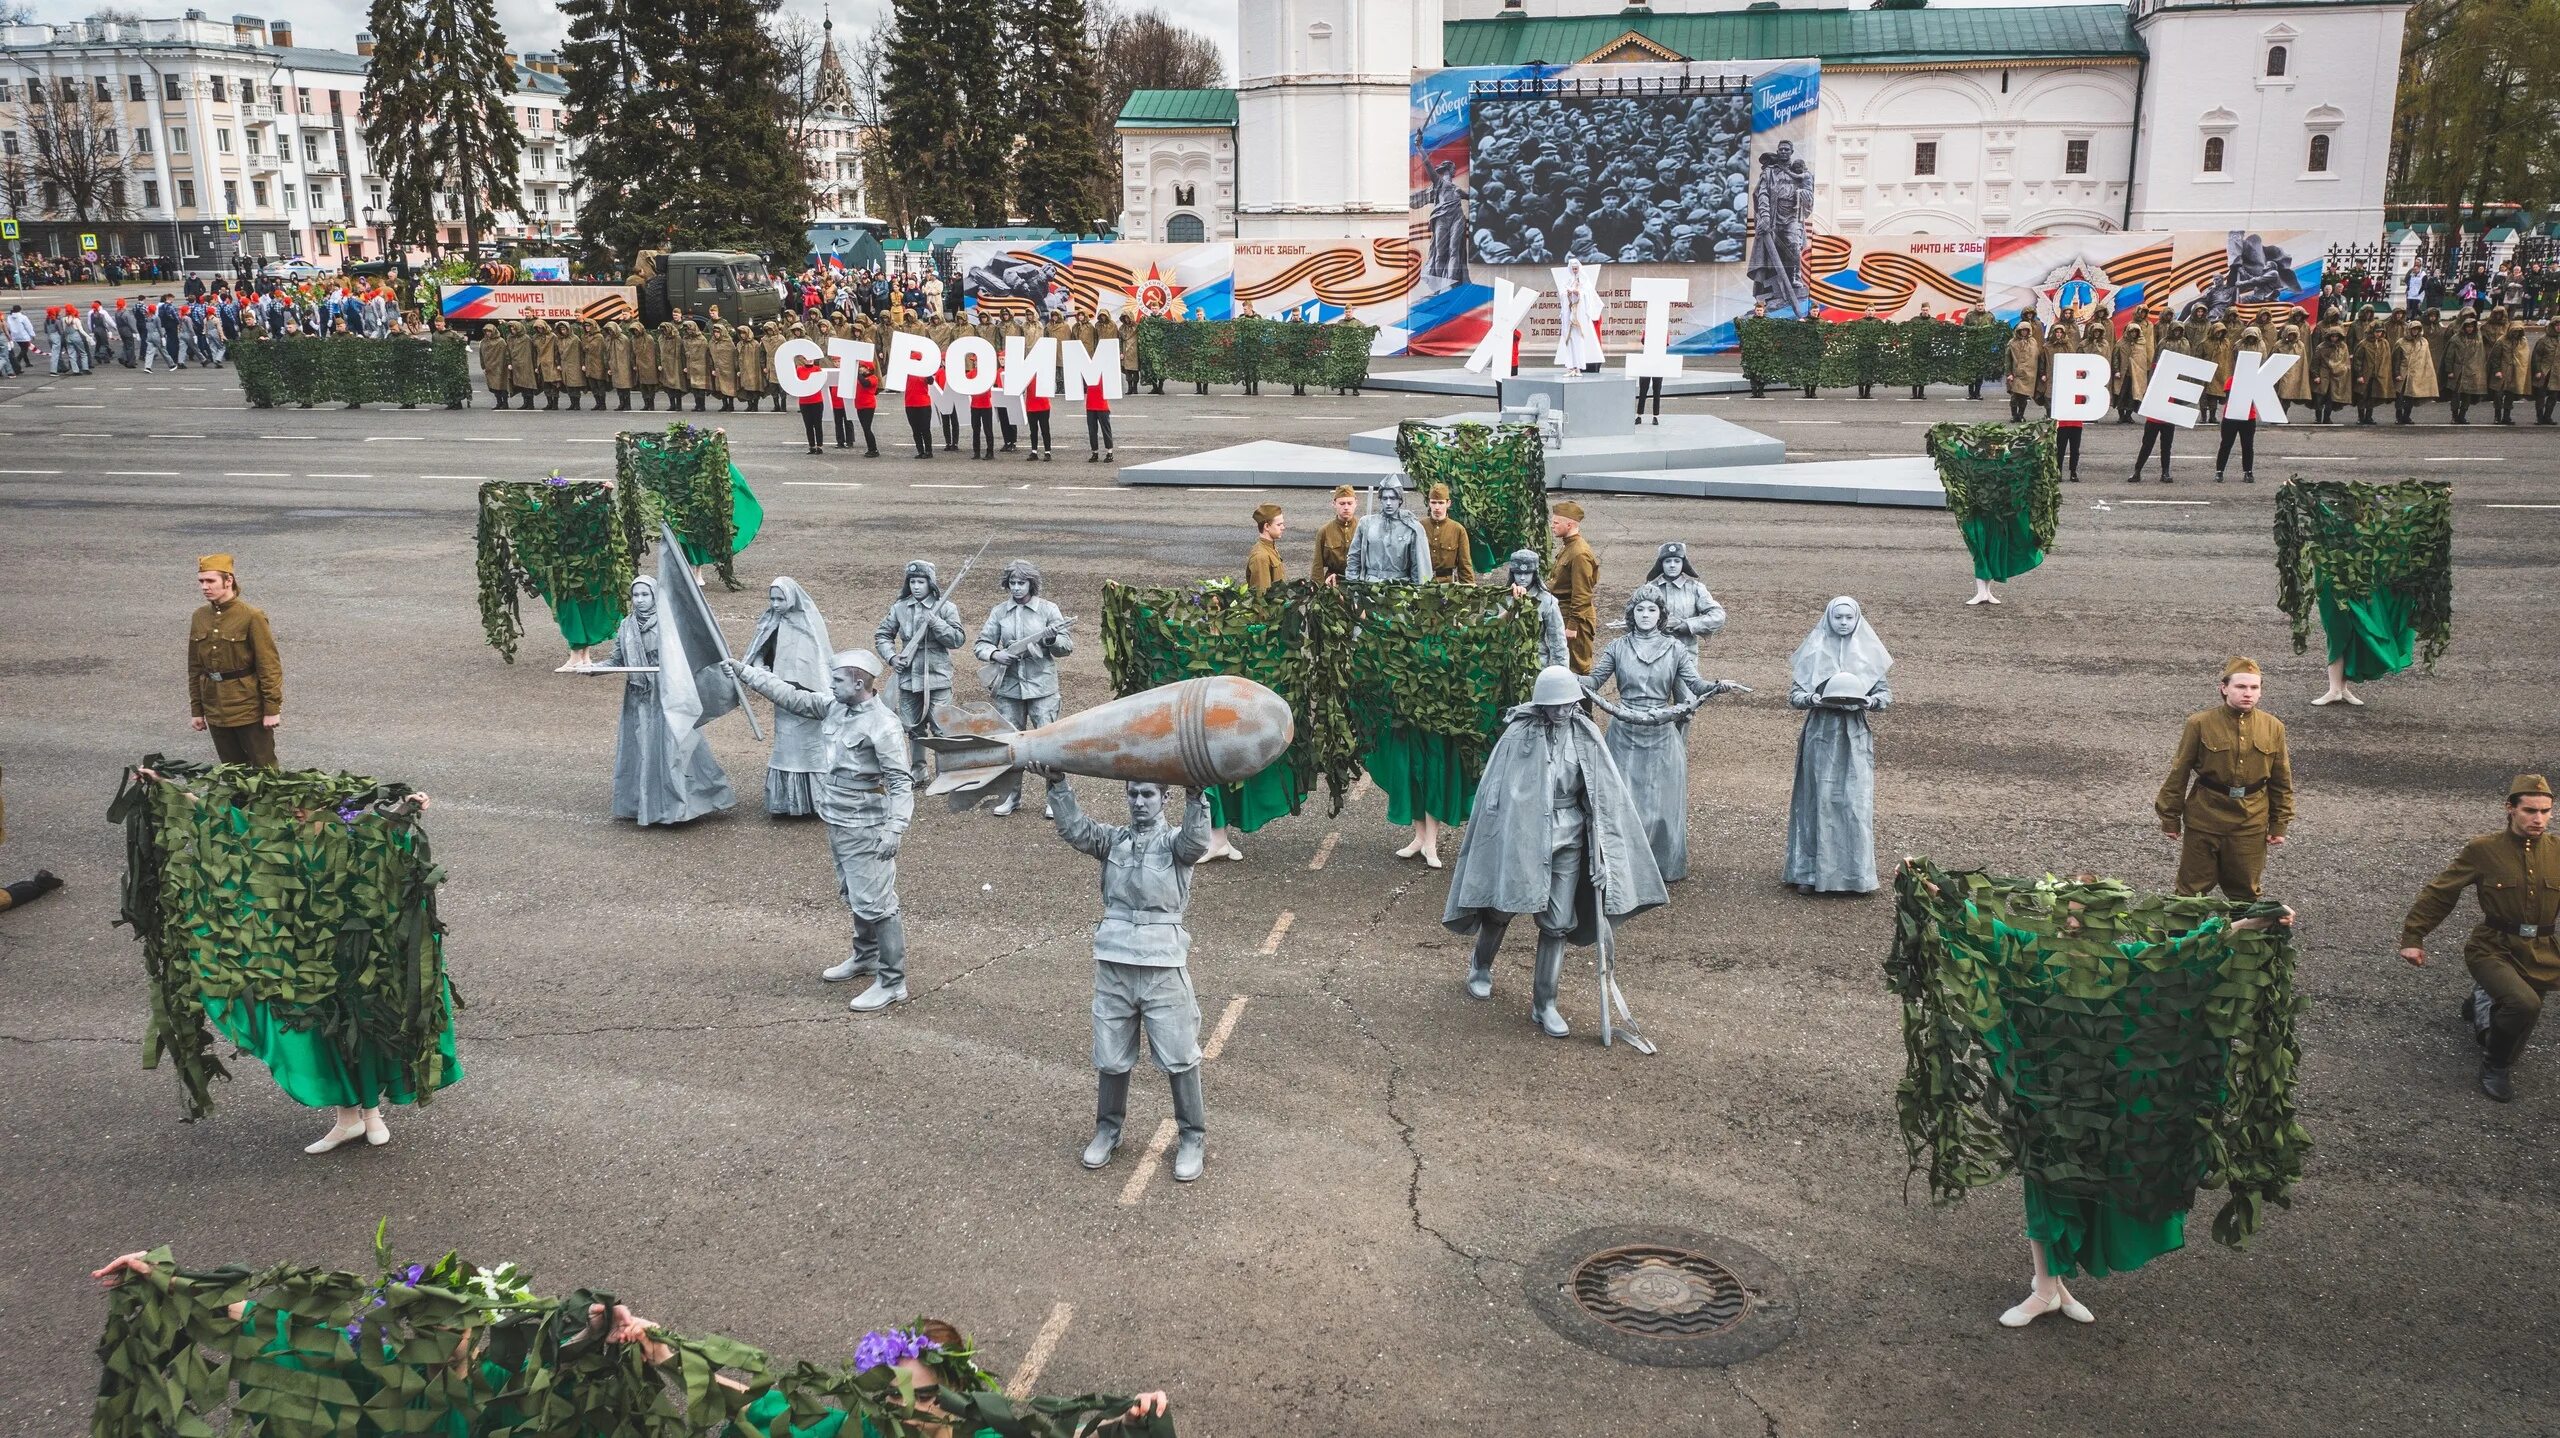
(678, 110)
(438, 114)
(1061, 177)
(943, 93)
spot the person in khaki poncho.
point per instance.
(2294, 385)
(2466, 368)
(546, 362)
(2026, 362)
(670, 347)
(493, 363)
(721, 349)
(2377, 360)
(2229, 795)
(593, 359)
(2510, 369)
(2134, 351)
(235, 678)
(2221, 344)
(619, 353)
(2512, 953)
(2414, 373)
(572, 376)
(697, 364)
(2545, 373)
(2333, 378)
(523, 376)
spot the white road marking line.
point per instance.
(1137, 1186)
(174, 436)
(255, 474)
(337, 476)
(1324, 850)
(1043, 1345)
(1086, 488)
(1221, 416)
(574, 440)
(1226, 1027)
(369, 439)
(85, 434)
(288, 436)
(482, 478)
(1801, 421)
(2485, 506)
(946, 486)
(2164, 501)
(59, 405)
(1279, 931)
(30, 471)
(139, 473)
(2465, 459)
(491, 439)
(822, 483)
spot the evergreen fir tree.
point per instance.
(1061, 177)
(950, 130)
(438, 115)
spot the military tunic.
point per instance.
(1452, 551)
(1574, 579)
(2511, 952)
(2242, 796)
(234, 680)
(1333, 550)
(1141, 950)
(1262, 568)
(922, 632)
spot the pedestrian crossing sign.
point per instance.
(88, 244)
(8, 229)
(231, 224)
(337, 234)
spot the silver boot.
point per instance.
(1542, 987)
(1110, 1110)
(1191, 1123)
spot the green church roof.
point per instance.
(1178, 109)
(1839, 37)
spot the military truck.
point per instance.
(729, 285)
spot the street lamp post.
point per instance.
(368, 229)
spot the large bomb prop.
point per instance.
(1199, 732)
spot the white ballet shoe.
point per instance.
(376, 1132)
(2029, 1309)
(2076, 1311)
(1431, 858)
(2325, 700)
(1227, 847)
(1979, 599)
(1412, 848)
(1994, 598)
(345, 1131)
(2352, 700)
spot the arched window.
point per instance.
(2213, 155)
(1185, 230)
(2319, 154)
(2275, 62)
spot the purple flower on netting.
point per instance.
(416, 1271)
(555, 479)
(354, 1332)
(349, 813)
(887, 1347)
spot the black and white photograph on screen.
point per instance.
(1607, 178)
(1446, 201)
(1781, 203)
(1010, 277)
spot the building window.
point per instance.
(8, 142)
(4, 90)
(289, 198)
(258, 193)
(114, 140)
(2075, 157)
(1924, 157)
(2275, 62)
(151, 194)
(1182, 194)
(177, 139)
(2319, 154)
(337, 102)
(52, 196)
(231, 197)
(376, 192)
(220, 95)
(542, 201)
(2213, 155)
(187, 243)
(251, 139)
(222, 140)
(169, 88)
(106, 89)
(310, 148)
(142, 141)
(1185, 230)
(186, 194)
(275, 96)
(133, 88)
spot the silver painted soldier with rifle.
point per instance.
(1018, 650)
(916, 638)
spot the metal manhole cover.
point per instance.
(1662, 1296)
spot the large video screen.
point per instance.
(1619, 179)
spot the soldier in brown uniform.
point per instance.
(546, 362)
(1333, 542)
(2242, 799)
(1574, 579)
(2513, 957)
(592, 357)
(493, 363)
(670, 341)
(572, 373)
(523, 377)
(1452, 549)
(1262, 564)
(235, 682)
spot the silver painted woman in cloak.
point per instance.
(1658, 689)
(1839, 679)
(791, 641)
(662, 771)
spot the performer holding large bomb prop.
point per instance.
(1197, 733)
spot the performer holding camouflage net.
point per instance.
(1022, 641)
(918, 635)
(866, 793)
(2242, 799)
(1554, 835)
(1452, 549)
(2512, 953)
(1141, 956)
(2003, 487)
(1527, 582)
(791, 642)
(1389, 546)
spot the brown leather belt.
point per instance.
(2516, 931)
(2231, 791)
(222, 676)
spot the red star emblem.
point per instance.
(1155, 294)
(2078, 288)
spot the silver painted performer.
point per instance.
(1689, 612)
(791, 640)
(1018, 650)
(1389, 547)
(1527, 578)
(918, 635)
(662, 771)
(1839, 679)
(1658, 689)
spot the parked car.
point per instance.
(295, 269)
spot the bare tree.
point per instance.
(883, 197)
(75, 154)
(1142, 50)
(17, 12)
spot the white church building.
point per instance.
(2054, 119)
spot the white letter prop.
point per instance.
(1033, 367)
(2253, 385)
(848, 357)
(2080, 386)
(2177, 382)
(969, 366)
(911, 357)
(1085, 368)
(1657, 293)
(1579, 314)
(786, 368)
(1511, 305)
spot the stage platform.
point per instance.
(1900, 483)
(1468, 384)
(1681, 441)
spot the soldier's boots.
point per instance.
(1191, 1124)
(2496, 1083)
(498, 397)
(699, 401)
(727, 404)
(1542, 987)
(855, 965)
(1110, 1112)
(1480, 962)
(573, 399)
(648, 400)
(623, 398)
(878, 996)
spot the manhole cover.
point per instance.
(1662, 1296)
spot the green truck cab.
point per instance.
(729, 285)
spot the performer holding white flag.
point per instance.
(662, 771)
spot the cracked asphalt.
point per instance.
(663, 1100)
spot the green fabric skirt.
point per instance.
(588, 621)
(2002, 548)
(307, 1067)
(2084, 1235)
(1421, 774)
(746, 517)
(1271, 794)
(2374, 635)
